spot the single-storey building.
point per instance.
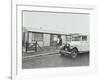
(43, 37)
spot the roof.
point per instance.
(30, 29)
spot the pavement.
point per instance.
(48, 50)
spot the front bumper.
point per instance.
(64, 52)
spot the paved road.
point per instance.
(55, 60)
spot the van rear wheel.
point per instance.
(74, 53)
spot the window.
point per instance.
(38, 36)
(68, 38)
(84, 38)
(76, 38)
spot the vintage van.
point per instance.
(75, 44)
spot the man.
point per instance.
(59, 41)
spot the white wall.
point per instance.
(30, 37)
(63, 39)
(40, 43)
(46, 39)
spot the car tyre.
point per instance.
(74, 53)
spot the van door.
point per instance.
(85, 43)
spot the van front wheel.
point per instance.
(74, 53)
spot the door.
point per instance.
(85, 43)
(53, 39)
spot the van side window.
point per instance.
(84, 38)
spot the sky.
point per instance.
(63, 22)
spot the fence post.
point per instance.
(27, 44)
